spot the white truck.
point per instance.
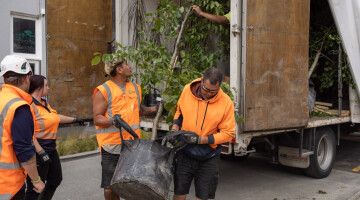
(269, 69)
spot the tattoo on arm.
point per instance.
(32, 160)
(145, 110)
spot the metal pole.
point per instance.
(340, 95)
(301, 142)
(340, 86)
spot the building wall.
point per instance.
(30, 9)
(77, 30)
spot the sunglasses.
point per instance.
(207, 90)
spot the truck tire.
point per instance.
(322, 161)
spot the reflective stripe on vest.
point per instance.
(10, 165)
(137, 94)
(41, 123)
(5, 196)
(109, 99)
(114, 129)
(45, 135)
(2, 118)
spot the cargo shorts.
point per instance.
(108, 165)
(205, 174)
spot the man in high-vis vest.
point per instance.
(17, 151)
(116, 96)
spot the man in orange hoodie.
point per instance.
(206, 111)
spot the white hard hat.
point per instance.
(14, 63)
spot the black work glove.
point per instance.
(191, 137)
(44, 157)
(170, 137)
(79, 120)
(120, 123)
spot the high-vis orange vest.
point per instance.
(12, 175)
(46, 123)
(127, 105)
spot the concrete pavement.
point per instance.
(252, 179)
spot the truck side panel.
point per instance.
(276, 89)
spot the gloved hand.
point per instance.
(44, 157)
(170, 137)
(191, 137)
(79, 120)
(117, 123)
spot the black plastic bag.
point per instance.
(144, 169)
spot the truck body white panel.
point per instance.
(346, 14)
(354, 106)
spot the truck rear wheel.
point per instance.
(322, 161)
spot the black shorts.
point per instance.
(205, 174)
(108, 165)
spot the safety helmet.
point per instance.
(14, 63)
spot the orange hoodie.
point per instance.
(213, 118)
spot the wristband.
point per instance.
(37, 181)
(173, 130)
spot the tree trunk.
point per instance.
(172, 65)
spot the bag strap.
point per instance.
(177, 147)
(126, 126)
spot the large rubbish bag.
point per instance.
(144, 169)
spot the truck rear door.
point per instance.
(273, 70)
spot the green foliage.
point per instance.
(323, 34)
(73, 144)
(320, 114)
(96, 60)
(145, 135)
(154, 52)
(226, 88)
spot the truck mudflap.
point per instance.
(290, 157)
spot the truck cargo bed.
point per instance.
(324, 121)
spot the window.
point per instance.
(25, 36)
(35, 66)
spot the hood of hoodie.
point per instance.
(210, 101)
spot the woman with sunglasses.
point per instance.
(46, 125)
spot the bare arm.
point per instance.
(31, 169)
(147, 110)
(66, 119)
(214, 18)
(99, 108)
(37, 146)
